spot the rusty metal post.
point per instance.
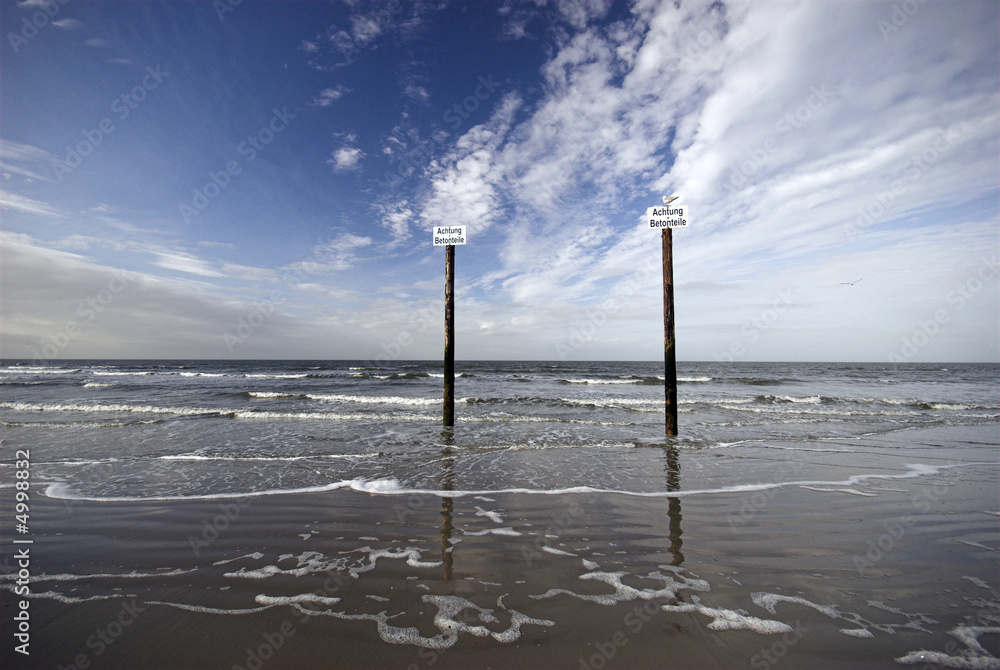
(669, 355)
(449, 335)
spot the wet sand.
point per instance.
(851, 574)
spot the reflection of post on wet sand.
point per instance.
(447, 504)
(672, 467)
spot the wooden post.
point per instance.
(449, 335)
(669, 355)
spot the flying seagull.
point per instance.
(851, 283)
(667, 201)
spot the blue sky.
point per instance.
(260, 179)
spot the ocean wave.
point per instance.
(395, 375)
(812, 400)
(120, 373)
(275, 376)
(604, 381)
(97, 423)
(39, 371)
(203, 457)
(374, 400)
(393, 487)
(219, 411)
(110, 408)
(761, 381)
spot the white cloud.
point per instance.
(336, 254)
(186, 263)
(346, 159)
(416, 93)
(396, 218)
(328, 96)
(69, 24)
(464, 182)
(25, 160)
(28, 205)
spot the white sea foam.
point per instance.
(977, 581)
(672, 584)
(307, 562)
(392, 486)
(78, 407)
(840, 490)
(812, 400)
(557, 552)
(974, 657)
(374, 399)
(111, 575)
(769, 602)
(411, 554)
(445, 620)
(120, 373)
(255, 555)
(493, 516)
(275, 376)
(323, 416)
(858, 632)
(98, 461)
(202, 457)
(63, 491)
(63, 598)
(271, 394)
(29, 370)
(600, 382)
(301, 598)
(723, 619)
(506, 530)
(203, 609)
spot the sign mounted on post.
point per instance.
(667, 216)
(665, 219)
(449, 235)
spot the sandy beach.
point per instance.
(794, 576)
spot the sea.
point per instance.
(250, 514)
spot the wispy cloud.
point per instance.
(328, 96)
(28, 205)
(69, 24)
(185, 263)
(25, 160)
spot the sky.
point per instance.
(260, 179)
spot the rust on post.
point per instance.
(449, 336)
(669, 355)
